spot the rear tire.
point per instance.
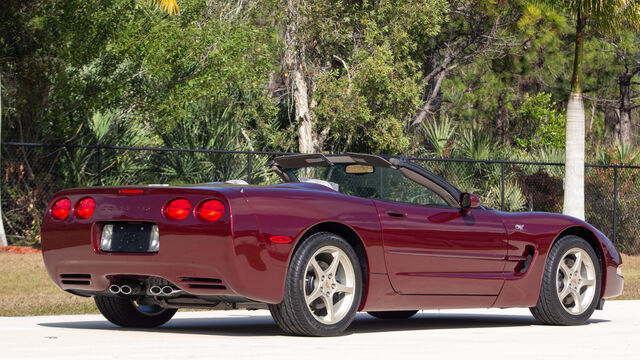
(570, 289)
(126, 313)
(323, 288)
(393, 314)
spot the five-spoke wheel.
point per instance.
(323, 287)
(570, 288)
(329, 284)
(576, 281)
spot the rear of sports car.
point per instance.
(171, 246)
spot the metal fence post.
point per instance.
(249, 168)
(615, 201)
(502, 186)
(99, 165)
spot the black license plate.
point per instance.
(131, 237)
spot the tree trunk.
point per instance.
(502, 120)
(574, 158)
(623, 135)
(294, 60)
(591, 118)
(574, 152)
(3, 236)
(430, 100)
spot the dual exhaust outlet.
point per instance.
(131, 289)
(161, 290)
(123, 289)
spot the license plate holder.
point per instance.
(131, 237)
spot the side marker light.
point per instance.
(279, 239)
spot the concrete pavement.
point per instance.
(613, 333)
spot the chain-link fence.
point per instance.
(32, 173)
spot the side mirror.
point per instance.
(467, 202)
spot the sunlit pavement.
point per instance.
(452, 334)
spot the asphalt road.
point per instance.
(613, 333)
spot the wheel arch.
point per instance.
(592, 239)
(351, 236)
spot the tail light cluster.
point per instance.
(179, 209)
(83, 209)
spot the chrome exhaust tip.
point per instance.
(126, 290)
(114, 289)
(155, 290)
(167, 290)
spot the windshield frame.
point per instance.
(284, 166)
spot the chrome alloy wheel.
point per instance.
(329, 285)
(576, 281)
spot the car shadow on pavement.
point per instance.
(440, 321)
(260, 325)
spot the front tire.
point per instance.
(323, 288)
(570, 288)
(126, 313)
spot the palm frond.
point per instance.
(605, 15)
(439, 134)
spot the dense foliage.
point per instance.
(378, 72)
(475, 79)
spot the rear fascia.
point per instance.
(188, 248)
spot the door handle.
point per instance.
(396, 213)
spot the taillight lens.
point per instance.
(61, 208)
(211, 210)
(85, 208)
(178, 209)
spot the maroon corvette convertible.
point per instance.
(341, 234)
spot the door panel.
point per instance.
(437, 250)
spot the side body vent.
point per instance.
(522, 262)
(76, 279)
(203, 283)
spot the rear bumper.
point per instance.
(180, 259)
(97, 274)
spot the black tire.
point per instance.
(124, 312)
(393, 314)
(550, 309)
(293, 315)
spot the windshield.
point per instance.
(382, 183)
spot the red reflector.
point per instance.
(130, 191)
(211, 210)
(279, 239)
(61, 209)
(85, 208)
(178, 209)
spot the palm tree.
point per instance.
(604, 16)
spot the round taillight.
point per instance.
(211, 210)
(178, 209)
(61, 208)
(85, 208)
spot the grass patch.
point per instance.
(631, 273)
(25, 287)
